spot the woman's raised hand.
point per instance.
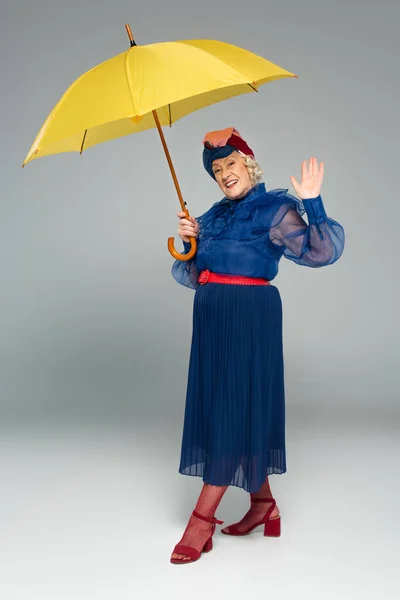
(311, 179)
(187, 227)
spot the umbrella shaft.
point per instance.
(171, 166)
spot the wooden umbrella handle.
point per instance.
(177, 255)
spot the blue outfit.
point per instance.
(234, 423)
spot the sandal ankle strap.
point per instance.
(263, 500)
(208, 519)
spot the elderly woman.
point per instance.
(234, 423)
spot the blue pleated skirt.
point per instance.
(234, 421)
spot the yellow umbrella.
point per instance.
(150, 86)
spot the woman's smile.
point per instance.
(231, 183)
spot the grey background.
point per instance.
(95, 332)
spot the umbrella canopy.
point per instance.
(118, 97)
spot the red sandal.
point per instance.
(272, 527)
(192, 552)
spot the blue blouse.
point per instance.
(250, 235)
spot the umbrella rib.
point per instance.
(83, 141)
(128, 78)
(219, 60)
(170, 117)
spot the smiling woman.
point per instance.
(234, 424)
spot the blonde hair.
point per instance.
(253, 168)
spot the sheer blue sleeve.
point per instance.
(318, 244)
(185, 272)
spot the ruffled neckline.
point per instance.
(258, 194)
(245, 205)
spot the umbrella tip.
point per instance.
(129, 32)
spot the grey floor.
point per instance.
(93, 512)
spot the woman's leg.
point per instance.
(258, 509)
(197, 531)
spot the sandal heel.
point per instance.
(208, 545)
(272, 527)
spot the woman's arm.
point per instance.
(318, 244)
(185, 272)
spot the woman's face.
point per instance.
(232, 175)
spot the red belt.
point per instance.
(207, 276)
